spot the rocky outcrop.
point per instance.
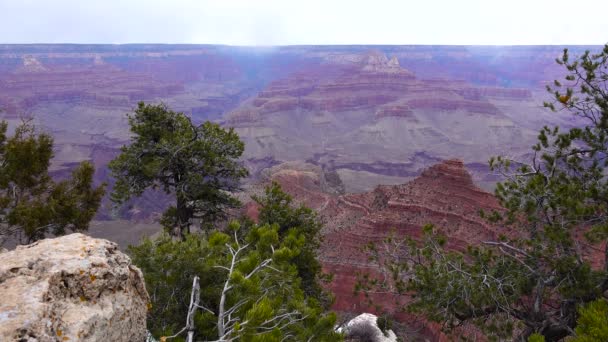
(443, 195)
(71, 288)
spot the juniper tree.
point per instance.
(534, 278)
(245, 287)
(32, 204)
(277, 207)
(197, 164)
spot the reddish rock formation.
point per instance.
(373, 80)
(95, 85)
(444, 195)
(370, 81)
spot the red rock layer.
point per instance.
(95, 85)
(367, 81)
(444, 195)
(400, 111)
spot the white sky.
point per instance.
(282, 22)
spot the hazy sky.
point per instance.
(280, 22)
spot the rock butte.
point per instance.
(443, 195)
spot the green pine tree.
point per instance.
(592, 323)
(197, 164)
(32, 204)
(249, 286)
(276, 207)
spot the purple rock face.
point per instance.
(374, 116)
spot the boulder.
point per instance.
(364, 328)
(71, 288)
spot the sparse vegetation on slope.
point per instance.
(534, 277)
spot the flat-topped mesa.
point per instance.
(376, 62)
(31, 64)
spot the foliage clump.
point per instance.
(276, 207)
(592, 323)
(199, 165)
(32, 204)
(252, 287)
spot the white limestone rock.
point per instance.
(71, 288)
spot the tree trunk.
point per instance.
(194, 303)
(605, 282)
(183, 216)
(606, 255)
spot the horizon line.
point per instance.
(305, 45)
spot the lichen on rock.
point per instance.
(71, 288)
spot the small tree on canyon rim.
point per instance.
(535, 278)
(246, 287)
(265, 271)
(276, 207)
(197, 164)
(32, 204)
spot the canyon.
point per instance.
(374, 114)
(376, 139)
(443, 195)
(369, 115)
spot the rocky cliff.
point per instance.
(71, 288)
(444, 195)
(358, 112)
